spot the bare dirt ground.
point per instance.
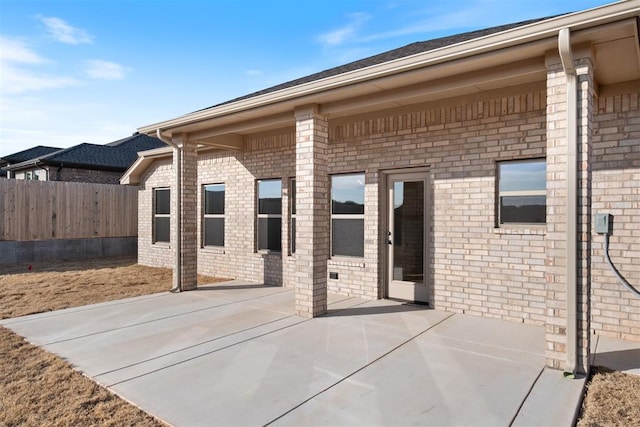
(38, 388)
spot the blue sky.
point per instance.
(74, 71)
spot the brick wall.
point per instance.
(265, 156)
(85, 175)
(160, 174)
(615, 311)
(476, 268)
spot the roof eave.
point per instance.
(516, 36)
(132, 175)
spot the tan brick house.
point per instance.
(462, 172)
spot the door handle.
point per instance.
(389, 239)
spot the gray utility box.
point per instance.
(603, 223)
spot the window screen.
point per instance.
(522, 192)
(347, 215)
(213, 217)
(269, 221)
(161, 215)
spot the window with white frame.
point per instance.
(269, 221)
(213, 215)
(161, 214)
(347, 215)
(292, 221)
(522, 192)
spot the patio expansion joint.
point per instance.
(191, 347)
(346, 377)
(513, 419)
(218, 349)
(210, 352)
(211, 307)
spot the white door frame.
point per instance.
(410, 291)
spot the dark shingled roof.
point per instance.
(31, 153)
(402, 52)
(117, 155)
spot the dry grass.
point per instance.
(613, 399)
(38, 388)
(53, 286)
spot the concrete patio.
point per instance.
(234, 354)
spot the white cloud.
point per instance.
(16, 73)
(99, 69)
(342, 35)
(254, 72)
(62, 32)
(17, 80)
(16, 50)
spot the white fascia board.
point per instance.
(516, 36)
(145, 158)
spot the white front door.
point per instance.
(407, 231)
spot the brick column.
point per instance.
(312, 212)
(187, 247)
(556, 264)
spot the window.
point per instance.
(161, 214)
(347, 215)
(292, 222)
(269, 226)
(213, 217)
(522, 192)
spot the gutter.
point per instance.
(566, 56)
(177, 155)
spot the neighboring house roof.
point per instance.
(31, 153)
(115, 156)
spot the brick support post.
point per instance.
(312, 213)
(557, 178)
(187, 164)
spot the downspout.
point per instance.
(177, 287)
(566, 56)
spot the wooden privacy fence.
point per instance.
(44, 210)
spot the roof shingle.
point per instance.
(402, 52)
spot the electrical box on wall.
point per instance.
(603, 223)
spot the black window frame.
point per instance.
(271, 218)
(292, 216)
(165, 216)
(213, 215)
